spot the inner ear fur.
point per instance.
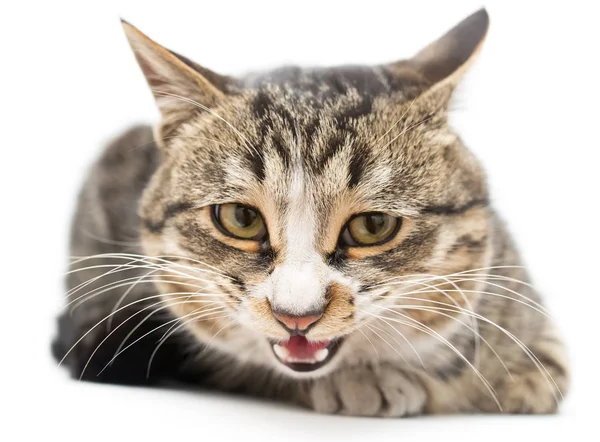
(179, 85)
(442, 63)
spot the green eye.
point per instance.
(239, 221)
(369, 229)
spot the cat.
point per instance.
(317, 236)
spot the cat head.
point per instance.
(305, 212)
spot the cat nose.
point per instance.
(297, 325)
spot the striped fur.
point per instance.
(310, 148)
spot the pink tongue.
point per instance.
(300, 348)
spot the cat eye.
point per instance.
(239, 221)
(370, 229)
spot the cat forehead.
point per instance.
(327, 155)
(332, 82)
(326, 124)
(312, 114)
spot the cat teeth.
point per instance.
(281, 352)
(321, 355)
(284, 355)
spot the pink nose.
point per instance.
(297, 323)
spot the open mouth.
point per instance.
(300, 354)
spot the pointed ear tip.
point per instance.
(131, 32)
(483, 12)
(125, 23)
(482, 17)
(128, 27)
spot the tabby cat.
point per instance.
(316, 236)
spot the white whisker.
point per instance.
(405, 340)
(475, 332)
(111, 314)
(138, 325)
(548, 377)
(201, 314)
(429, 331)
(388, 344)
(370, 342)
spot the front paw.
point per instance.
(368, 391)
(533, 393)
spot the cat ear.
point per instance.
(179, 85)
(443, 62)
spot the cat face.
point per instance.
(300, 206)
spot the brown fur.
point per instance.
(432, 320)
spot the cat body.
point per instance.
(315, 236)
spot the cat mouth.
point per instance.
(300, 354)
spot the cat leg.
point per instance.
(363, 390)
(536, 385)
(533, 389)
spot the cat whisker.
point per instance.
(127, 267)
(464, 298)
(121, 351)
(108, 240)
(112, 331)
(91, 329)
(370, 342)
(219, 331)
(484, 281)
(388, 344)
(126, 293)
(476, 333)
(534, 359)
(92, 280)
(429, 331)
(507, 267)
(405, 340)
(469, 306)
(88, 296)
(114, 269)
(187, 301)
(172, 330)
(486, 276)
(529, 303)
(230, 323)
(163, 259)
(115, 284)
(123, 296)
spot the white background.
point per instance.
(68, 82)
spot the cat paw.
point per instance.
(364, 391)
(536, 388)
(532, 393)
